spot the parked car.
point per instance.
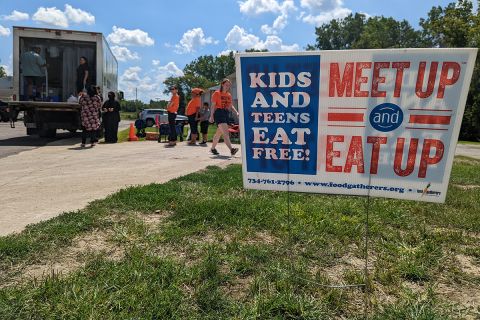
(149, 115)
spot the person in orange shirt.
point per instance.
(192, 113)
(172, 108)
(221, 106)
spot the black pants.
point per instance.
(111, 130)
(91, 133)
(193, 124)
(173, 130)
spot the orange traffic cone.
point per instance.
(131, 134)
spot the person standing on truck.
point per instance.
(91, 105)
(111, 118)
(221, 106)
(82, 75)
(172, 109)
(33, 70)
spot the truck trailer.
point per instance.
(61, 50)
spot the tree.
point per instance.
(381, 32)
(3, 73)
(357, 32)
(456, 26)
(211, 68)
(339, 34)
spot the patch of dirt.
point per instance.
(68, 259)
(263, 237)
(468, 266)
(471, 234)
(238, 288)
(466, 296)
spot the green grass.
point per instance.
(217, 251)
(476, 143)
(124, 115)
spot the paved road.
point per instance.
(44, 182)
(468, 150)
(15, 140)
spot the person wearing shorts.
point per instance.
(203, 116)
(221, 106)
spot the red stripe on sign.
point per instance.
(343, 126)
(429, 119)
(348, 108)
(345, 117)
(416, 128)
(436, 110)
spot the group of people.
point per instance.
(93, 108)
(219, 113)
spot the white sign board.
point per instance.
(383, 123)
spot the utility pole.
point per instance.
(136, 94)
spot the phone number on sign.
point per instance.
(271, 181)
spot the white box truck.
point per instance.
(61, 50)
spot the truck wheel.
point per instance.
(31, 131)
(150, 122)
(47, 133)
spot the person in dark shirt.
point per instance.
(111, 118)
(83, 77)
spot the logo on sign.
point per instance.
(386, 117)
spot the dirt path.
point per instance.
(468, 150)
(42, 183)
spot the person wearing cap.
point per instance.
(33, 70)
(172, 109)
(192, 113)
(221, 106)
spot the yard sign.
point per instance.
(358, 122)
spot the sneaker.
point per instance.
(233, 151)
(203, 142)
(82, 145)
(214, 151)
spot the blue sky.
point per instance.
(153, 39)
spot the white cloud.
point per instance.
(78, 16)
(192, 40)
(148, 85)
(238, 39)
(255, 7)
(278, 25)
(226, 52)
(4, 32)
(320, 12)
(124, 54)
(51, 16)
(55, 17)
(16, 16)
(156, 62)
(136, 37)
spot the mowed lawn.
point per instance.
(202, 247)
